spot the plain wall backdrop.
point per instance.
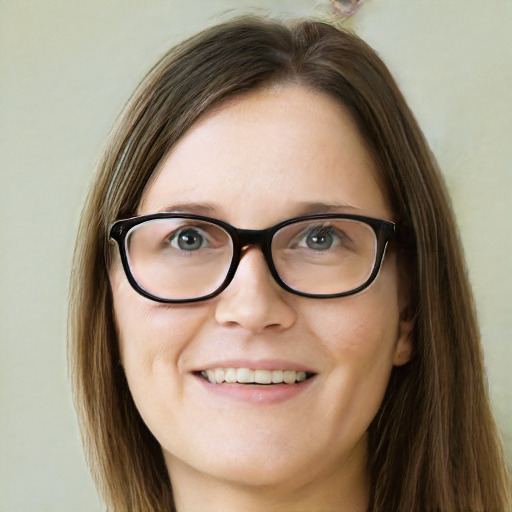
(66, 69)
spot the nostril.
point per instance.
(253, 300)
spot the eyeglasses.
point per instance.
(179, 257)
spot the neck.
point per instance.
(345, 488)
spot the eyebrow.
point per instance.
(300, 208)
(307, 208)
(197, 208)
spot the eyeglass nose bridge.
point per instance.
(243, 239)
(246, 237)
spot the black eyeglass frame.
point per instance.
(384, 230)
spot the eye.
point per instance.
(320, 239)
(188, 239)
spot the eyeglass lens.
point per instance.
(176, 258)
(324, 257)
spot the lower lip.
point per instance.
(257, 394)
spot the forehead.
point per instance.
(266, 156)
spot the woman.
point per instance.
(269, 306)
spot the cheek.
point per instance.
(359, 333)
(154, 335)
(152, 338)
(363, 326)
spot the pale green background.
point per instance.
(66, 68)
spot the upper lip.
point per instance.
(257, 364)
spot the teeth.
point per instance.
(230, 375)
(277, 376)
(248, 376)
(244, 375)
(289, 376)
(262, 377)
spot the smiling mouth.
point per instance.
(248, 376)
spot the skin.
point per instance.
(254, 162)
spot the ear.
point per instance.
(403, 346)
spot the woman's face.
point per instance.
(274, 154)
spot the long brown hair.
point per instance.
(434, 445)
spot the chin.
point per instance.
(248, 464)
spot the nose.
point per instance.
(253, 300)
